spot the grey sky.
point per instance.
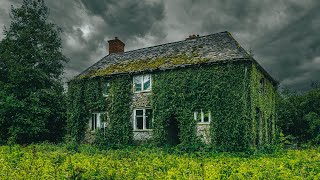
(283, 34)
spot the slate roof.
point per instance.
(214, 48)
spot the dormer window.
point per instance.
(142, 83)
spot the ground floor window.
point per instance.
(97, 121)
(202, 116)
(142, 119)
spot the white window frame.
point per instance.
(144, 119)
(97, 124)
(141, 80)
(195, 115)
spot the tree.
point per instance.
(31, 65)
(299, 115)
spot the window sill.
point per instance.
(137, 92)
(142, 130)
(203, 123)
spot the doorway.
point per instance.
(173, 131)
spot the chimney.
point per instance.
(193, 36)
(116, 46)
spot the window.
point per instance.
(97, 121)
(142, 119)
(142, 83)
(262, 84)
(105, 89)
(202, 116)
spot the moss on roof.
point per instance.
(148, 65)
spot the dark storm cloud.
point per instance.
(293, 52)
(88, 25)
(283, 34)
(127, 17)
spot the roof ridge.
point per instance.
(214, 34)
(175, 42)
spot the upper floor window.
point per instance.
(262, 85)
(142, 83)
(202, 116)
(142, 119)
(105, 88)
(97, 121)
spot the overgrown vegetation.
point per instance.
(85, 97)
(31, 64)
(56, 162)
(149, 64)
(224, 90)
(299, 117)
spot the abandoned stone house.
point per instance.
(210, 80)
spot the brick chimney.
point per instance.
(116, 46)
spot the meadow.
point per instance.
(44, 161)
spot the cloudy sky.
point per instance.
(284, 35)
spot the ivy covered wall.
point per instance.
(85, 97)
(221, 89)
(230, 91)
(262, 108)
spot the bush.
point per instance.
(47, 161)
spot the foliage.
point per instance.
(119, 131)
(85, 97)
(56, 162)
(263, 127)
(31, 64)
(223, 89)
(299, 115)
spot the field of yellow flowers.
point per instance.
(57, 162)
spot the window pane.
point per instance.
(139, 121)
(103, 117)
(95, 121)
(139, 112)
(198, 116)
(146, 82)
(206, 117)
(137, 84)
(106, 88)
(148, 118)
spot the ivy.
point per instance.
(219, 89)
(230, 91)
(76, 114)
(264, 132)
(85, 97)
(120, 127)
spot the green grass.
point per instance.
(57, 162)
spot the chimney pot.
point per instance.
(116, 46)
(193, 36)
